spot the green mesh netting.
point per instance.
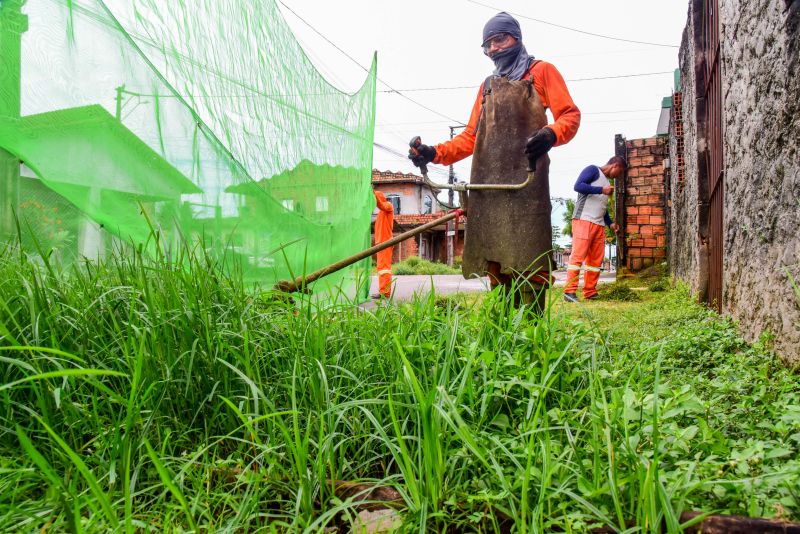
(201, 120)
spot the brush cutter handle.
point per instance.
(415, 143)
(301, 282)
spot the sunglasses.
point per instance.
(496, 40)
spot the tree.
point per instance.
(568, 211)
(556, 232)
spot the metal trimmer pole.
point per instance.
(301, 282)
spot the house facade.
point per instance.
(414, 205)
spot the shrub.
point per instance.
(659, 285)
(416, 265)
(617, 291)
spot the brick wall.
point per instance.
(644, 200)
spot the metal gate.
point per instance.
(715, 177)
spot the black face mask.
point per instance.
(512, 62)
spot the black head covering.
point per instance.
(512, 62)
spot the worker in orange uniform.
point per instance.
(509, 237)
(384, 224)
(589, 221)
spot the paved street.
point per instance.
(406, 286)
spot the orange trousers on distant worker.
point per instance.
(384, 224)
(588, 248)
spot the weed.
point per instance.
(163, 395)
(618, 291)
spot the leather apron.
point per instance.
(509, 228)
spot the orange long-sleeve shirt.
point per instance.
(553, 93)
(385, 221)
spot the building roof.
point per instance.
(88, 147)
(389, 177)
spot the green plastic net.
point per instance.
(199, 121)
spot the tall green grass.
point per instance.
(166, 396)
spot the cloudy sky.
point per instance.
(430, 52)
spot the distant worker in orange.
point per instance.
(509, 237)
(384, 224)
(589, 221)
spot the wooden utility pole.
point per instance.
(12, 25)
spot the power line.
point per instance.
(392, 90)
(610, 112)
(635, 75)
(576, 30)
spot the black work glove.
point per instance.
(539, 144)
(425, 154)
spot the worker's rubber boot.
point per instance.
(533, 297)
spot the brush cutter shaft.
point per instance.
(301, 282)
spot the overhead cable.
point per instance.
(547, 22)
(391, 89)
(635, 75)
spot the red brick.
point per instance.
(635, 252)
(657, 219)
(660, 252)
(646, 210)
(651, 141)
(653, 199)
(660, 230)
(637, 142)
(656, 210)
(637, 243)
(636, 265)
(636, 181)
(632, 172)
(632, 228)
(631, 210)
(662, 240)
(646, 230)
(635, 161)
(647, 160)
(650, 243)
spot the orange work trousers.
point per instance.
(588, 247)
(385, 272)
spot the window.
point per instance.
(427, 204)
(288, 203)
(395, 200)
(322, 203)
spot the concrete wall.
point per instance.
(411, 196)
(685, 239)
(760, 56)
